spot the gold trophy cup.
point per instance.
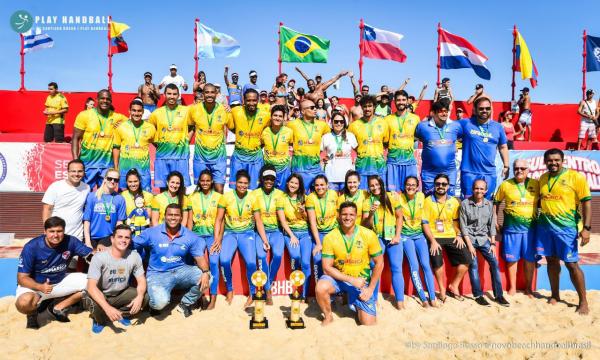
(297, 279)
(258, 321)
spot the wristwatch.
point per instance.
(587, 227)
(205, 271)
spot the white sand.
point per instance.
(223, 333)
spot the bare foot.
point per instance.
(400, 305)
(328, 320)
(212, 303)
(528, 293)
(512, 291)
(553, 301)
(229, 297)
(269, 298)
(583, 309)
(435, 303)
(248, 301)
(425, 304)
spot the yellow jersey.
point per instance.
(171, 136)
(412, 213)
(248, 131)
(291, 208)
(325, 209)
(402, 138)
(130, 200)
(370, 137)
(239, 215)
(134, 145)
(383, 217)
(439, 215)
(266, 205)
(97, 141)
(359, 198)
(277, 147)
(520, 204)
(56, 103)
(204, 210)
(162, 200)
(307, 144)
(211, 132)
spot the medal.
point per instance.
(107, 218)
(310, 141)
(322, 221)
(137, 145)
(170, 128)
(523, 200)
(101, 133)
(339, 154)
(485, 140)
(370, 139)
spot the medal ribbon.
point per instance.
(352, 238)
(107, 207)
(555, 180)
(323, 205)
(312, 129)
(169, 114)
(101, 123)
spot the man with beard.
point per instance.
(316, 90)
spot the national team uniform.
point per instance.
(359, 198)
(439, 152)
(55, 124)
(325, 209)
(520, 213)
(266, 206)
(134, 145)
(164, 199)
(239, 234)
(401, 161)
(306, 160)
(204, 210)
(277, 152)
(480, 146)
(557, 224)
(210, 138)
(97, 143)
(247, 154)
(370, 137)
(172, 144)
(352, 257)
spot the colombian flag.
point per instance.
(524, 63)
(117, 43)
(298, 47)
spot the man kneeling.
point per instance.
(169, 244)
(109, 296)
(42, 273)
(346, 255)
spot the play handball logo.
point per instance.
(21, 21)
(3, 168)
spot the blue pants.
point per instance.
(245, 241)
(396, 175)
(466, 184)
(236, 164)
(282, 176)
(214, 264)
(94, 177)
(308, 177)
(353, 293)
(395, 257)
(336, 186)
(427, 182)
(217, 170)
(145, 181)
(162, 168)
(484, 250)
(300, 255)
(417, 253)
(317, 266)
(161, 284)
(276, 243)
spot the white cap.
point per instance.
(253, 73)
(269, 173)
(173, 66)
(217, 85)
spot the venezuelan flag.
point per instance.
(298, 47)
(117, 43)
(524, 63)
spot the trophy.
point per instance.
(297, 279)
(258, 321)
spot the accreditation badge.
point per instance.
(439, 225)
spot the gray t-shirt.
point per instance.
(113, 274)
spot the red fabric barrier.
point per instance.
(23, 113)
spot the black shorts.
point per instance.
(455, 255)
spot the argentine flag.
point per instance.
(457, 53)
(38, 41)
(212, 44)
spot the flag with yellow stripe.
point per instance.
(298, 47)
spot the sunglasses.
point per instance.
(459, 111)
(111, 179)
(339, 121)
(310, 107)
(440, 184)
(521, 168)
(484, 108)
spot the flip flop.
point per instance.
(454, 296)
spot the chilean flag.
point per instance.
(382, 44)
(458, 53)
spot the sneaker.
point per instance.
(59, 315)
(482, 301)
(97, 328)
(32, 322)
(125, 322)
(154, 312)
(502, 301)
(186, 310)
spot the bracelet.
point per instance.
(493, 244)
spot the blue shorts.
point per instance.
(396, 175)
(145, 180)
(308, 177)
(162, 168)
(427, 182)
(519, 245)
(217, 170)
(94, 177)
(466, 184)
(369, 306)
(253, 168)
(336, 186)
(282, 176)
(562, 245)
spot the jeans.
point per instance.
(161, 284)
(484, 250)
(275, 239)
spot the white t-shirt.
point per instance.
(339, 162)
(177, 80)
(68, 204)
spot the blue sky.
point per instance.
(163, 34)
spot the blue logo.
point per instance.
(3, 168)
(302, 44)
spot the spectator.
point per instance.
(279, 90)
(233, 89)
(460, 113)
(356, 111)
(55, 107)
(383, 104)
(509, 128)
(338, 146)
(252, 84)
(198, 97)
(525, 116)
(444, 91)
(478, 93)
(221, 98)
(588, 110)
(90, 103)
(321, 112)
(173, 78)
(317, 88)
(414, 103)
(200, 82)
(149, 92)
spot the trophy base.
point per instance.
(259, 324)
(295, 325)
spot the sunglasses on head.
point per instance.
(111, 179)
(441, 184)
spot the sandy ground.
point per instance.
(458, 330)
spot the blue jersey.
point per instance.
(235, 94)
(96, 211)
(249, 86)
(167, 254)
(439, 146)
(480, 145)
(42, 262)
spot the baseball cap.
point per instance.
(445, 79)
(525, 89)
(479, 86)
(235, 74)
(173, 66)
(263, 92)
(253, 73)
(268, 172)
(217, 85)
(589, 91)
(147, 73)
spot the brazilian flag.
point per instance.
(298, 47)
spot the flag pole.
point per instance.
(439, 63)
(279, 47)
(360, 47)
(584, 67)
(196, 49)
(22, 53)
(110, 74)
(514, 61)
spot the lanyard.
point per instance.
(202, 206)
(136, 135)
(312, 130)
(267, 200)
(274, 140)
(240, 207)
(555, 180)
(523, 189)
(171, 199)
(339, 142)
(210, 115)
(411, 210)
(485, 133)
(355, 197)
(107, 207)
(439, 216)
(169, 114)
(441, 132)
(376, 217)
(100, 122)
(369, 126)
(323, 205)
(352, 238)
